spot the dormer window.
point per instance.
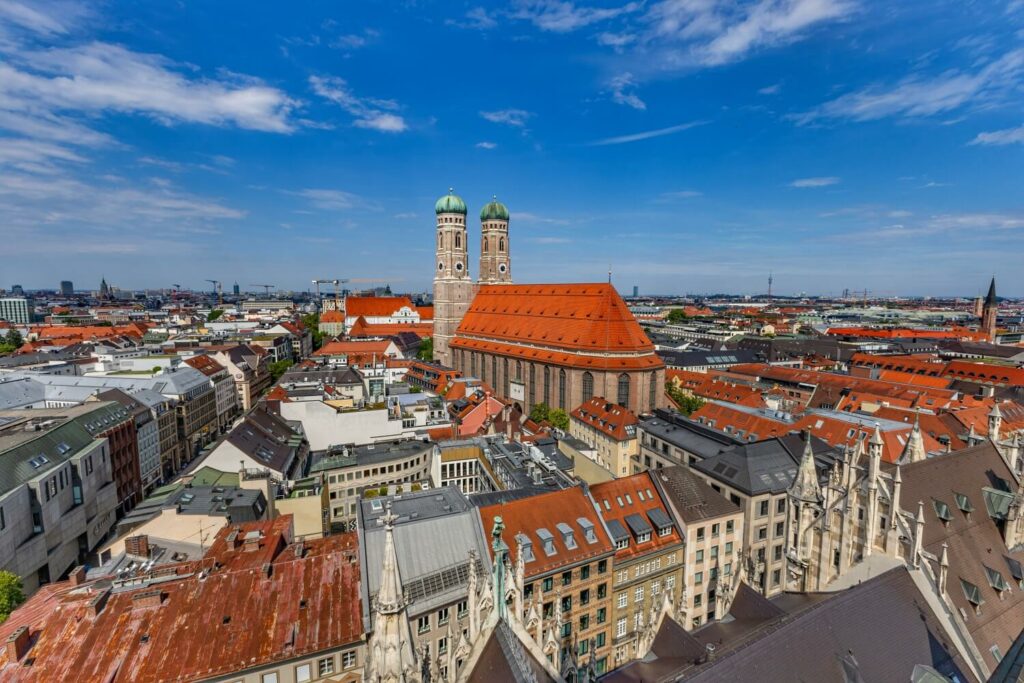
(622, 544)
(942, 511)
(525, 547)
(996, 580)
(589, 533)
(964, 503)
(568, 538)
(973, 595)
(547, 541)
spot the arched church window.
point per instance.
(623, 397)
(653, 391)
(458, 241)
(485, 245)
(547, 385)
(588, 386)
(561, 389)
(501, 245)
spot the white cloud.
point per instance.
(477, 19)
(713, 32)
(354, 41)
(329, 199)
(549, 240)
(369, 112)
(41, 22)
(1007, 136)
(916, 96)
(681, 194)
(646, 135)
(560, 16)
(822, 181)
(486, 145)
(622, 91)
(508, 117)
(618, 41)
(770, 89)
(99, 78)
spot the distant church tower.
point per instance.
(989, 311)
(495, 266)
(453, 288)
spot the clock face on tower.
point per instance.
(458, 267)
(502, 268)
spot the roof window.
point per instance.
(995, 579)
(568, 537)
(963, 502)
(942, 511)
(547, 540)
(972, 594)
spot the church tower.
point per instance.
(989, 311)
(495, 265)
(453, 289)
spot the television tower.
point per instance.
(770, 286)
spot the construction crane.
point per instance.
(337, 294)
(219, 292)
(266, 288)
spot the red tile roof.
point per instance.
(608, 418)
(205, 365)
(572, 317)
(360, 346)
(545, 511)
(375, 306)
(332, 317)
(208, 621)
(636, 494)
(361, 328)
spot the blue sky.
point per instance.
(693, 145)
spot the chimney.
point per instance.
(150, 598)
(251, 541)
(18, 643)
(709, 650)
(77, 576)
(137, 545)
(98, 602)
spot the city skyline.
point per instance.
(691, 148)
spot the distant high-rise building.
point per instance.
(17, 290)
(67, 288)
(636, 291)
(989, 312)
(16, 310)
(236, 289)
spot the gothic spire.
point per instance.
(991, 298)
(914, 450)
(806, 486)
(390, 598)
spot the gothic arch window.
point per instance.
(494, 371)
(547, 385)
(588, 386)
(561, 389)
(458, 241)
(533, 384)
(501, 245)
(440, 241)
(623, 397)
(653, 391)
(519, 370)
(485, 245)
(472, 364)
(504, 372)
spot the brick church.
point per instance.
(558, 344)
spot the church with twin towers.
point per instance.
(558, 344)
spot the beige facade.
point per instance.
(613, 454)
(639, 581)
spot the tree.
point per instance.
(426, 351)
(688, 403)
(559, 419)
(214, 314)
(12, 593)
(676, 315)
(540, 412)
(312, 323)
(278, 368)
(14, 338)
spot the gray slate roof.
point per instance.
(767, 466)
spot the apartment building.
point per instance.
(350, 470)
(223, 383)
(712, 530)
(58, 496)
(566, 570)
(648, 558)
(248, 367)
(670, 438)
(757, 478)
(611, 429)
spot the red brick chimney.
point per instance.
(77, 576)
(150, 598)
(18, 643)
(137, 545)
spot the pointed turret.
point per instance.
(914, 450)
(806, 487)
(391, 656)
(995, 422)
(989, 312)
(991, 297)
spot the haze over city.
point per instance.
(690, 146)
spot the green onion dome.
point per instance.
(494, 211)
(450, 203)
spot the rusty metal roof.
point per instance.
(253, 600)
